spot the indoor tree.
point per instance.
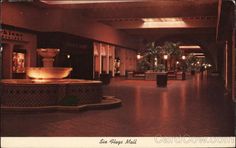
(152, 56)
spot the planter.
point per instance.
(161, 79)
(105, 78)
(183, 75)
(130, 75)
(150, 75)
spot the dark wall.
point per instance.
(79, 49)
(226, 28)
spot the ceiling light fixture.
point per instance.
(198, 54)
(172, 22)
(190, 47)
(163, 19)
(165, 57)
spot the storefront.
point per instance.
(87, 57)
(17, 52)
(113, 60)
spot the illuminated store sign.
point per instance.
(11, 35)
(18, 62)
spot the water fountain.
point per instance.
(48, 71)
(47, 87)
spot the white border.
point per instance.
(138, 142)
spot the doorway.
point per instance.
(18, 62)
(117, 66)
(82, 65)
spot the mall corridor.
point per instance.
(197, 106)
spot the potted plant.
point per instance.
(161, 76)
(153, 54)
(160, 68)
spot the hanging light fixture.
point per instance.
(138, 56)
(165, 57)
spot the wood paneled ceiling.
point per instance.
(151, 19)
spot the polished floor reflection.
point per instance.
(194, 107)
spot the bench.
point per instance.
(172, 75)
(136, 75)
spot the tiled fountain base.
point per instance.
(106, 103)
(64, 94)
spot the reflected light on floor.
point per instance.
(197, 84)
(165, 106)
(183, 98)
(138, 103)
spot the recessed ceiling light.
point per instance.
(202, 56)
(198, 54)
(163, 19)
(172, 22)
(190, 47)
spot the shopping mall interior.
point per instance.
(118, 68)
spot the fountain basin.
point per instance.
(47, 72)
(48, 52)
(39, 93)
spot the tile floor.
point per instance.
(194, 107)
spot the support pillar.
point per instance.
(7, 60)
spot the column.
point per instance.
(234, 65)
(122, 62)
(111, 59)
(97, 65)
(107, 59)
(100, 57)
(7, 60)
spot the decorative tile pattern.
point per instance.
(87, 94)
(48, 94)
(25, 95)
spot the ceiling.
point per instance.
(149, 20)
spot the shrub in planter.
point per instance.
(160, 68)
(69, 101)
